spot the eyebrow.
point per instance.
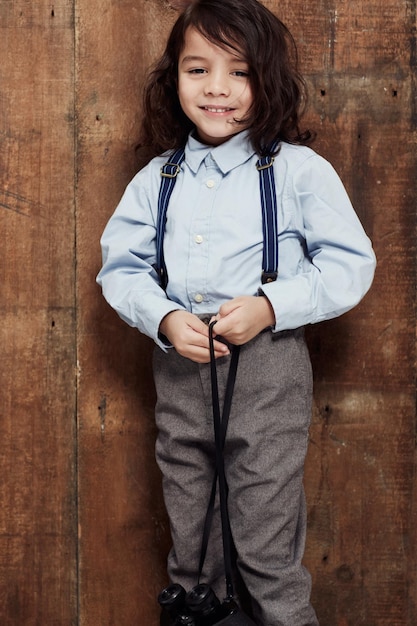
(191, 58)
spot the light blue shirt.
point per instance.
(213, 240)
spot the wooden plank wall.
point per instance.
(83, 534)
(38, 315)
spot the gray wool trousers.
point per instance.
(264, 456)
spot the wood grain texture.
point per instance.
(123, 531)
(71, 77)
(360, 475)
(37, 310)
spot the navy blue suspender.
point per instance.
(169, 173)
(269, 218)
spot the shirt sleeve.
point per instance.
(128, 279)
(339, 260)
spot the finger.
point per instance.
(200, 355)
(201, 340)
(199, 326)
(223, 327)
(220, 350)
(229, 306)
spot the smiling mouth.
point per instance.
(217, 109)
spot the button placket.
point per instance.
(200, 228)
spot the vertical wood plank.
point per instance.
(124, 536)
(37, 312)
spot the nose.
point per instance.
(217, 84)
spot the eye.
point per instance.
(197, 70)
(241, 73)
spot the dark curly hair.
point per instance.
(270, 51)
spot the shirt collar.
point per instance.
(227, 156)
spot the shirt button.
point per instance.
(198, 239)
(198, 298)
(210, 183)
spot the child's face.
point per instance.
(213, 88)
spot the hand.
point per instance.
(242, 318)
(189, 336)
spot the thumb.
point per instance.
(228, 307)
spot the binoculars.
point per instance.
(198, 607)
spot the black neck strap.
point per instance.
(220, 422)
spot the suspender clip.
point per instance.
(163, 277)
(269, 277)
(264, 163)
(165, 173)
